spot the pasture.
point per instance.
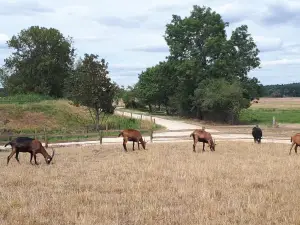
(286, 111)
(239, 183)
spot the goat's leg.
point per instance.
(133, 146)
(124, 144)
(31, 155)
(291, 148)
(296, 149)
(11, 155)
(17, 156)
(203, 150)
(34, 156)
(194, 146)
(139, 145)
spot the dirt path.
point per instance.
(171, 134)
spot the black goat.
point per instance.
(26, 144)
(257, 134)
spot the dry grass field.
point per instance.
(277, 103)
(239, 183)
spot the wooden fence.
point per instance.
(46, 137)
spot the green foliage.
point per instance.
(219, 95)
(41, 60)
(202, 58)
(24, 98)
(265, 116)
(281, 90)
(90, 86)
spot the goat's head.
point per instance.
(49, 158)
(143, 142)
(212, 145)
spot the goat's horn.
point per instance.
(53, 152)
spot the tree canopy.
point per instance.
(42, 58)
(90, 86)
(202, 57)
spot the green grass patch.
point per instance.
(24, 98)
(265, 116)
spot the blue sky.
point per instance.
(129, 34)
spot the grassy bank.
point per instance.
(20, 115)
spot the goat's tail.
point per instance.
(191, 134)
(9, 143)
(120, 134)
(291, 139)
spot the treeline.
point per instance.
(43, 62)
(281, 90)
(205, 74)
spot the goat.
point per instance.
(134, 136)
(203, 136)
(256, 134)
(295, 141)
(26, 144)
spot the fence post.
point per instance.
(45, 137)
(106, 126)
(101, 135)
(151, 135)
(274, 121)
(131, 115)
(141, 121)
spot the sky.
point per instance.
(129, 34)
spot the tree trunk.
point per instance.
(150, 108)
(97, 119)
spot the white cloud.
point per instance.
(129, 34)
(281, 62)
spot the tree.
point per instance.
(219, 95)
(90, 86)
(41, 60)
(203, 54)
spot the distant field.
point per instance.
(277, 103)
(239, 183)
(285, 110)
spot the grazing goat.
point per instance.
(257, 134)
(295, 141)
(134, 136)
(204, 137)
(26, 144)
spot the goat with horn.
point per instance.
(134, 136)
(30, 145)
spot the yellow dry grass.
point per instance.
(277, 103)
(240, 183)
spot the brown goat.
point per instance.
(203, 136)
(295, 141)
(134, 136)
(26, 144)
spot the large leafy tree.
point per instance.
(42, 58)
(91, 86)
(203, 53)
(157, 84)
